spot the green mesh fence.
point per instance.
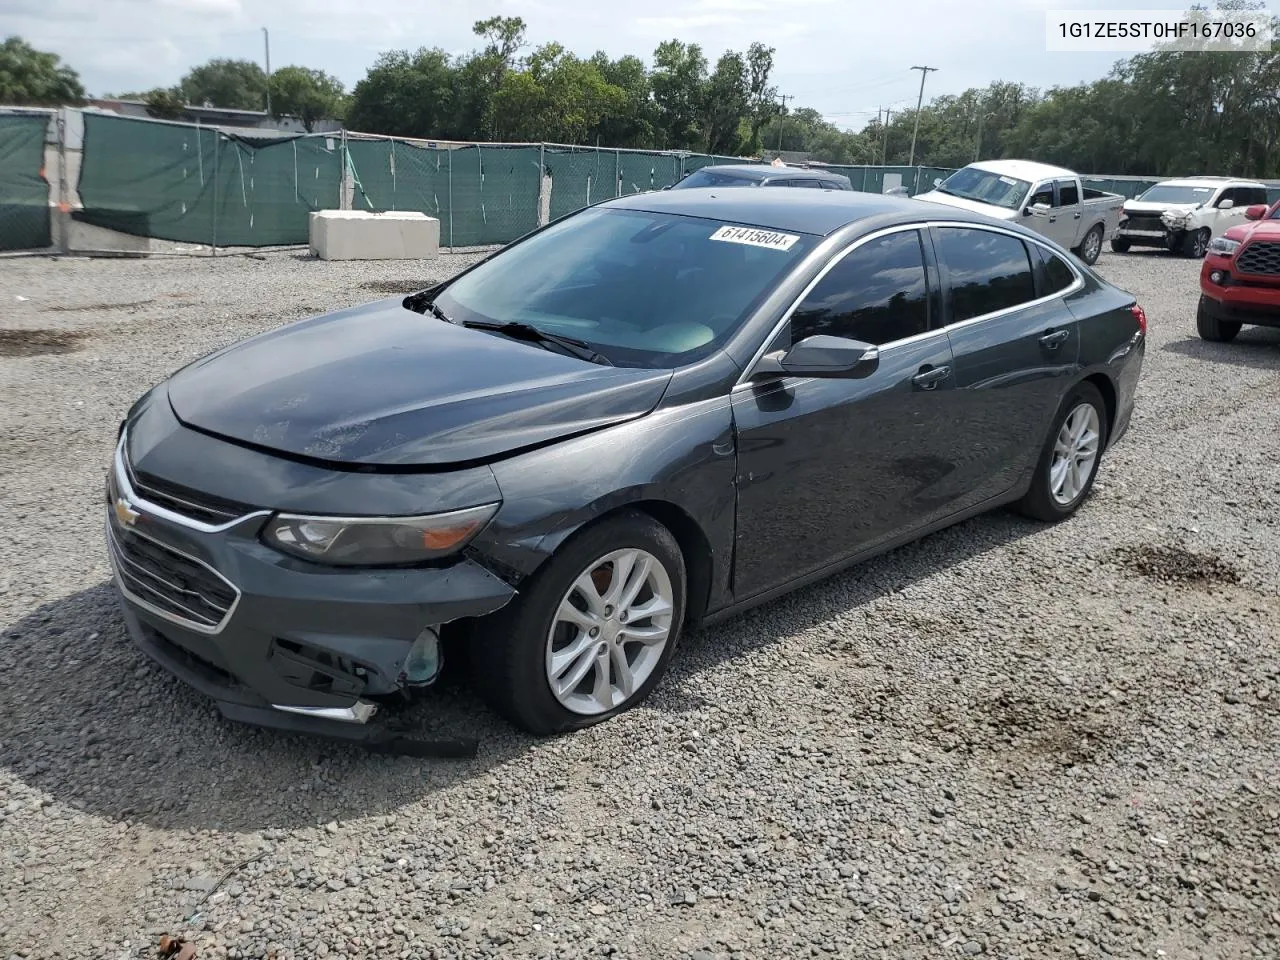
(184, 183)
(195, 185)
(24, 191)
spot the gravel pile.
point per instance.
(1006, 740)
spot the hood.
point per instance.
(991, 210)
(1155, 209)
(1254, 230)
(382, 385)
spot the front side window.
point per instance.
(1043, 194)
(643, 289)
(984, 186)
(987, 271)
(877, 294)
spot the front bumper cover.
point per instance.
(275, 641)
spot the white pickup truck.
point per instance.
(1049, 200)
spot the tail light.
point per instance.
(1141, 316)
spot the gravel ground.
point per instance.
(1005, 740)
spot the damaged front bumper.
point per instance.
(281, 642)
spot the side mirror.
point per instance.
(1037, 209)
(1255, 212)
(831, 358)
(1226, 204)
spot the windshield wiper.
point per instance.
(531, 334)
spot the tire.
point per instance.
(1091, 246)
(1195, 244)
(1119, 245)
(1041, 502)
(512, 659)
(1211, 328)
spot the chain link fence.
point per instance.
(216, 188)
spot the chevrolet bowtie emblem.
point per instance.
(125, 513)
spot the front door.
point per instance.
(830, 467)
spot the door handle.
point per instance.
(1055, 339)
(1053, 219)
(1077, 216)
(929, 377)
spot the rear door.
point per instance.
(1015, 344)
(829, 468)
(1070, 213)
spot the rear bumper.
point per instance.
(1127, 370)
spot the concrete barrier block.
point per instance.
(361, 235)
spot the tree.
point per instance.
(634, 123)
(30, 77)
(557, 97)
(724, 101)
(762, 99)
(407, 95)
(230, 84)
(164, 103)
(309, 95)
(679, 73)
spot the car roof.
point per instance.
(1209, 181)
(760, 171)
(1023, 169)
(794, 211)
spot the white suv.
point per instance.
(1185, 214)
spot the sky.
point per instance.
(844, 59)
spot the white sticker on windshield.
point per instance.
(1008, 180)
(755, 238)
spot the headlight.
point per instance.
(1223, 247)
(1174, 219)
(376, 541)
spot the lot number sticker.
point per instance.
(755, 238)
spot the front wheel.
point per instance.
(1195, 244)
(1091, 246)
(1120, 244)
(1211, 328)
(1069, 459)
(590, 634)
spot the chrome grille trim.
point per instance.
(128, 493)
(133, 586)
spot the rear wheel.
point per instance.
(1119, 245)
(591, 633)
(1091, 246)
(1195, 244)
(1211, 328)
(1069, 459)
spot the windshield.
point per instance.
(1166, 194)
(643, 289)
(708, 178)
(986, 187)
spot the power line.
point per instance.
(924, 72)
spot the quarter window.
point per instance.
(988, 271)
(876, 294)
(1057, 275)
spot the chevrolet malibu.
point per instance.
(651, 414)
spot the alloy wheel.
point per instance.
(1075, 454)
(609, 632)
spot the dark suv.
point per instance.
(763, 175)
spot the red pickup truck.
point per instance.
(1240, 278)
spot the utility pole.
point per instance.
(977, 147)
(266, 46)
(782, 119)
(885, 159)
(924, 72)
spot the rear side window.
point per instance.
(1068, 193)
(988, 271)
(876, 294)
